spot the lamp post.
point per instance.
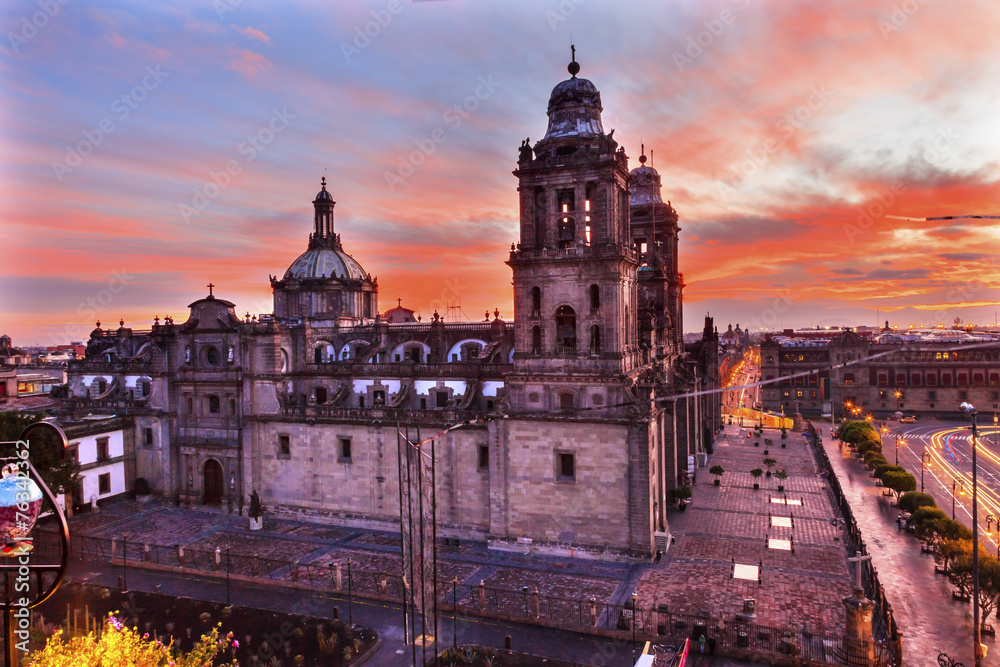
(350, 597)
(634, 617)
(970, 412)
(899, 402)
(955, 483)
(899, 441)
(454, 613)
(124, 561)
(228, 568)
(924, 461)
(992, 518)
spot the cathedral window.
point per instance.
(536, 340)
(566, 330)
(595, 298)
(284, 446)
(565, 466)
(213, 357)
(344, 447)
(442, 399)
(320, 393)
(232, 407)
(147, 437)
(536, 301)
(484, 458)
(214, 405)
(566, 401)
(595, 339)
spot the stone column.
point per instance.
(858, 643)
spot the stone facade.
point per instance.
(576, 419)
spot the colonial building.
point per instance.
(577, 421)
(924, 372)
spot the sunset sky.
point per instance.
(148, 149)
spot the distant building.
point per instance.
(921, 371)
(10, 355)
(581, 415)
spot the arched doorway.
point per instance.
(213, 484)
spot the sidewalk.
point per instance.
(931, 622)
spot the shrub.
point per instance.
(883, 468)
(926, 515)
(899, 481)
(128, 648)
(757, 472)
(716, 470)
(681, 492)
(911, 502)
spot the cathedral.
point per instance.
(578, 417)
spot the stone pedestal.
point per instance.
(858, 643)
(256, 523)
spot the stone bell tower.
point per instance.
(575, 289)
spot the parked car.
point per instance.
(908, 420)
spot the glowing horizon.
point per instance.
(149, 150)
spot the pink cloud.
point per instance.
(253, 34)
(114, 39)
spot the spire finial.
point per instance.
(642, 154)
(210, 286)
(574, 67)
(323, 181)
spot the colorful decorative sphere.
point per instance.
(20, 503)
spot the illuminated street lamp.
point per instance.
(970, 412)
(992, 518)
(925, 460)
(899, 441)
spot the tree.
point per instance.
(960, 573)
(770, 463)
(119, 645)
(899, 481)
(989, 584)
(718, 471)
(911, 502)
(881, 469)
(946, 551)
(756, 472)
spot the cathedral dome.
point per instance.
(574, 108)
(325, 263)
(645, 185)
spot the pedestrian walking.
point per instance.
(850, 478)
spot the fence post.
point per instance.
(180, 555)
(534, 603)
(482, 595)
(381, 584)
(114, 548)
(592, 603)
(295, 570)
(145, 551)
(338, 577)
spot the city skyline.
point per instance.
(151, 150)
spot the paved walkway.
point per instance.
(733, 522)
(930, 620)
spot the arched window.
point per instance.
(536, 340)
(566, 330)
(536, 301)
(566, 401)
(595, 298)
(595, 339)
(567, 231)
